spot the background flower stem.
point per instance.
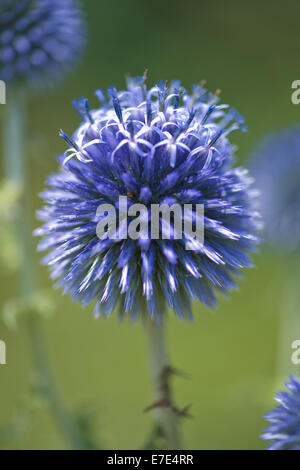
(14, 142)
(49, 389)
(289, 321)
(15, 170)
(160, 372)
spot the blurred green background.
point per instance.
(251, 51)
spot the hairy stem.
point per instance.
(15, 170)
(164, 409)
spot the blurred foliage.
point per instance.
(39, 303)
(85, 419)
(249, 50)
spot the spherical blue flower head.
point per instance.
(39, 39)
(284, 430)
(154, 146)
(276, 167)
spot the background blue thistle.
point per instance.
(156, 146)
(39, 39)
(276, 167)
(284, 430)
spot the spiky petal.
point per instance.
(284, 430)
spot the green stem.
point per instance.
(165, 415)
(15, 170)
(14, 137)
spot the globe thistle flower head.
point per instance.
(156, 146)
(284, 430)
(276, 167)
(39, 39)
